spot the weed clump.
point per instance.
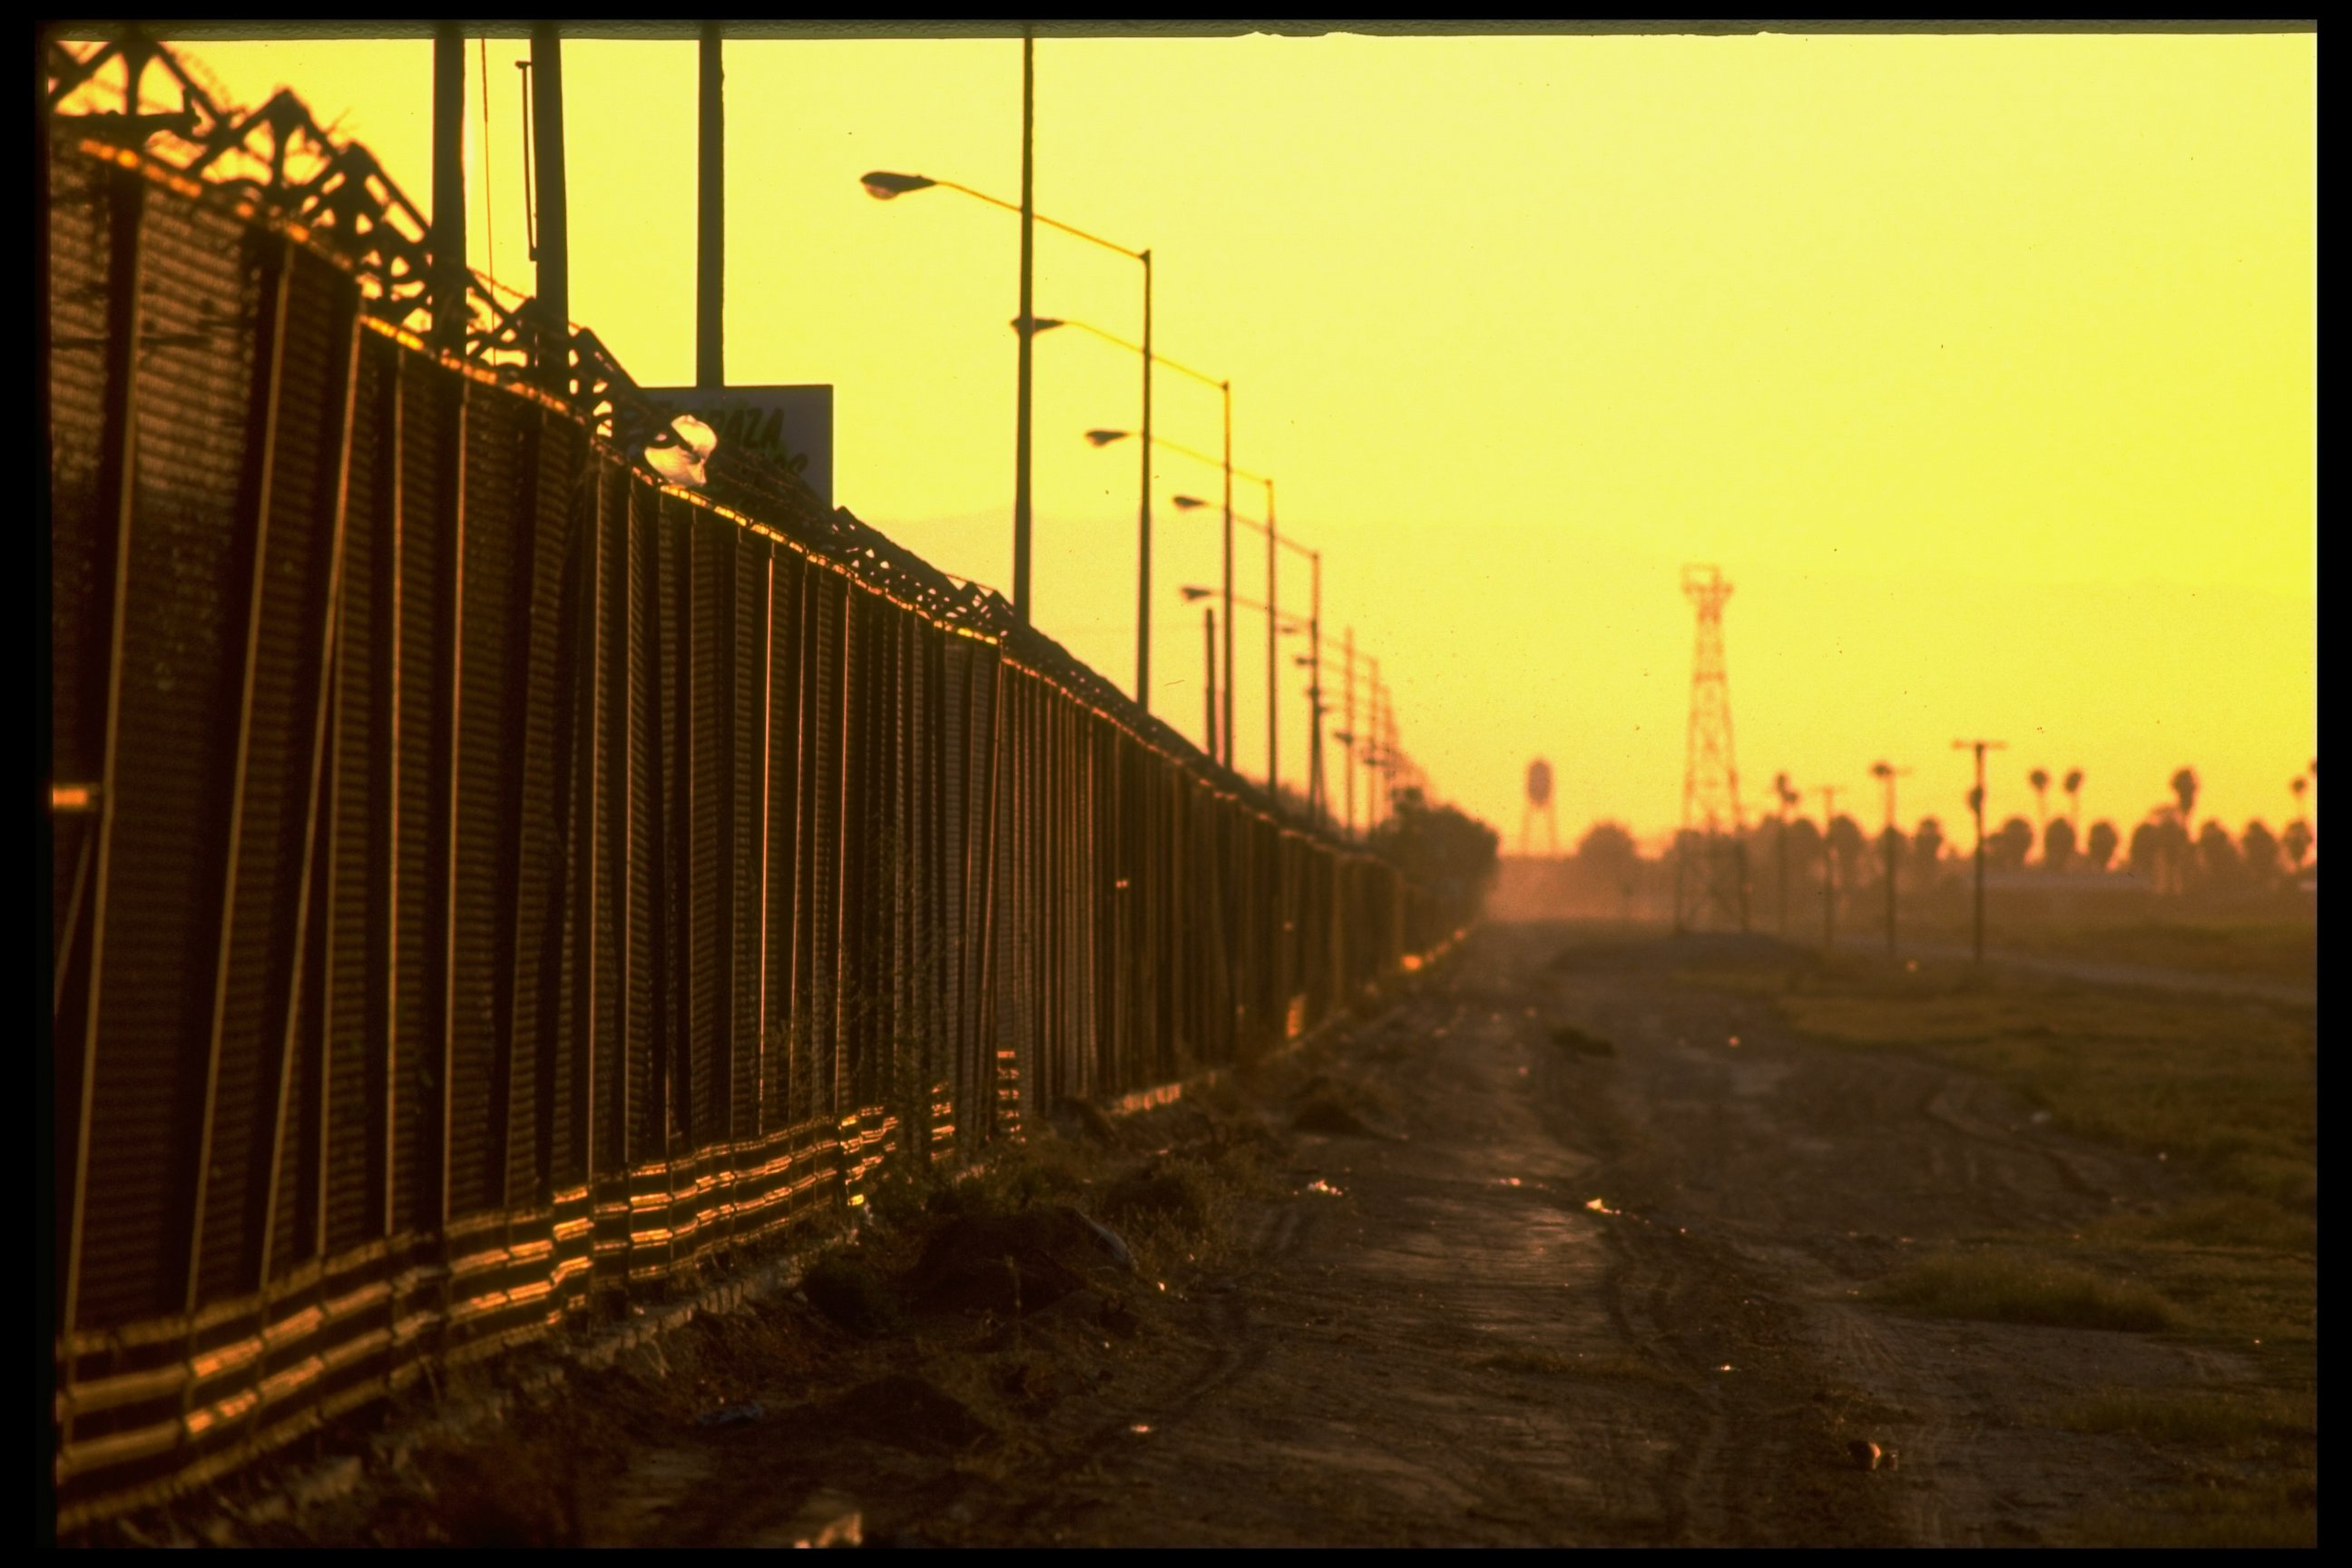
(2203, 1418)
(2002, 1289)
(1182, 1192)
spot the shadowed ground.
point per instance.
(1589, 1241)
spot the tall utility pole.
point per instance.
(554, 253)
(1028, 326)
(1143, 517)
(1784, 796)
(1711, 826)
(1209, 667)
(1348, 658)
(1318, 809)
(1227, 730)
(1829, 867)
(1977, 805)
(711, 220)
(1887, 773)
(1273, 661)
(448, 187)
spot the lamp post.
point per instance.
(1209, 686)
(1887, 773)
(1315, 622)
(883, 185)
(1105, 437)
(1377, 753)
(1349, 740)
(1277, 623)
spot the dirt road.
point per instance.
(1590, 1263)
(1582, 1299)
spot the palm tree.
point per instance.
(2012, 844)
(2074, 793)
(2039, 779)
(2258, 847)
(2057, 845)
(2180, 835)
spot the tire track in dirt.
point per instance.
(1809, 1171)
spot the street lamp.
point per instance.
(1105, 437)
(1354, 740)
(1314, 789)
(884, 184)
(1276, 624)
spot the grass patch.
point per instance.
(2226, 1088)
(2205, 1418)
(2005, 1287)
(2282, 1512)
(1180, 1192)
(2236, 1221)
(1182, 1210)
(2286, 951)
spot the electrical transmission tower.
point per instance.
(1711, 858)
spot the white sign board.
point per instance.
(792, 426)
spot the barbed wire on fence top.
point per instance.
(278, 159)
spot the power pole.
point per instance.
(1784, 796)
(553, 286)
(448, 185)
(1887, 773)
(1348, 661)
(710, 216)
(1829, 867)
(1710, 780)
(1209, 668)
(1977, 805)
(1021, 487)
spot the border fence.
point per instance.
(488, 880)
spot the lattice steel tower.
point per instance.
(1711, 857)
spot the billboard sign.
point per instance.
(792, 426)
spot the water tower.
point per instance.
(1538, 800)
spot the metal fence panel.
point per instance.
(484, 874)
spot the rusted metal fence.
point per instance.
(487, 880)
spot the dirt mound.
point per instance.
(1340, 1107)
(849, 1291)
(1575, 1039)
(905, 1412)
(1012, 1264)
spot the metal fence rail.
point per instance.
(486, 878)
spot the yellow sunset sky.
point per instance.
(1985, 367)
